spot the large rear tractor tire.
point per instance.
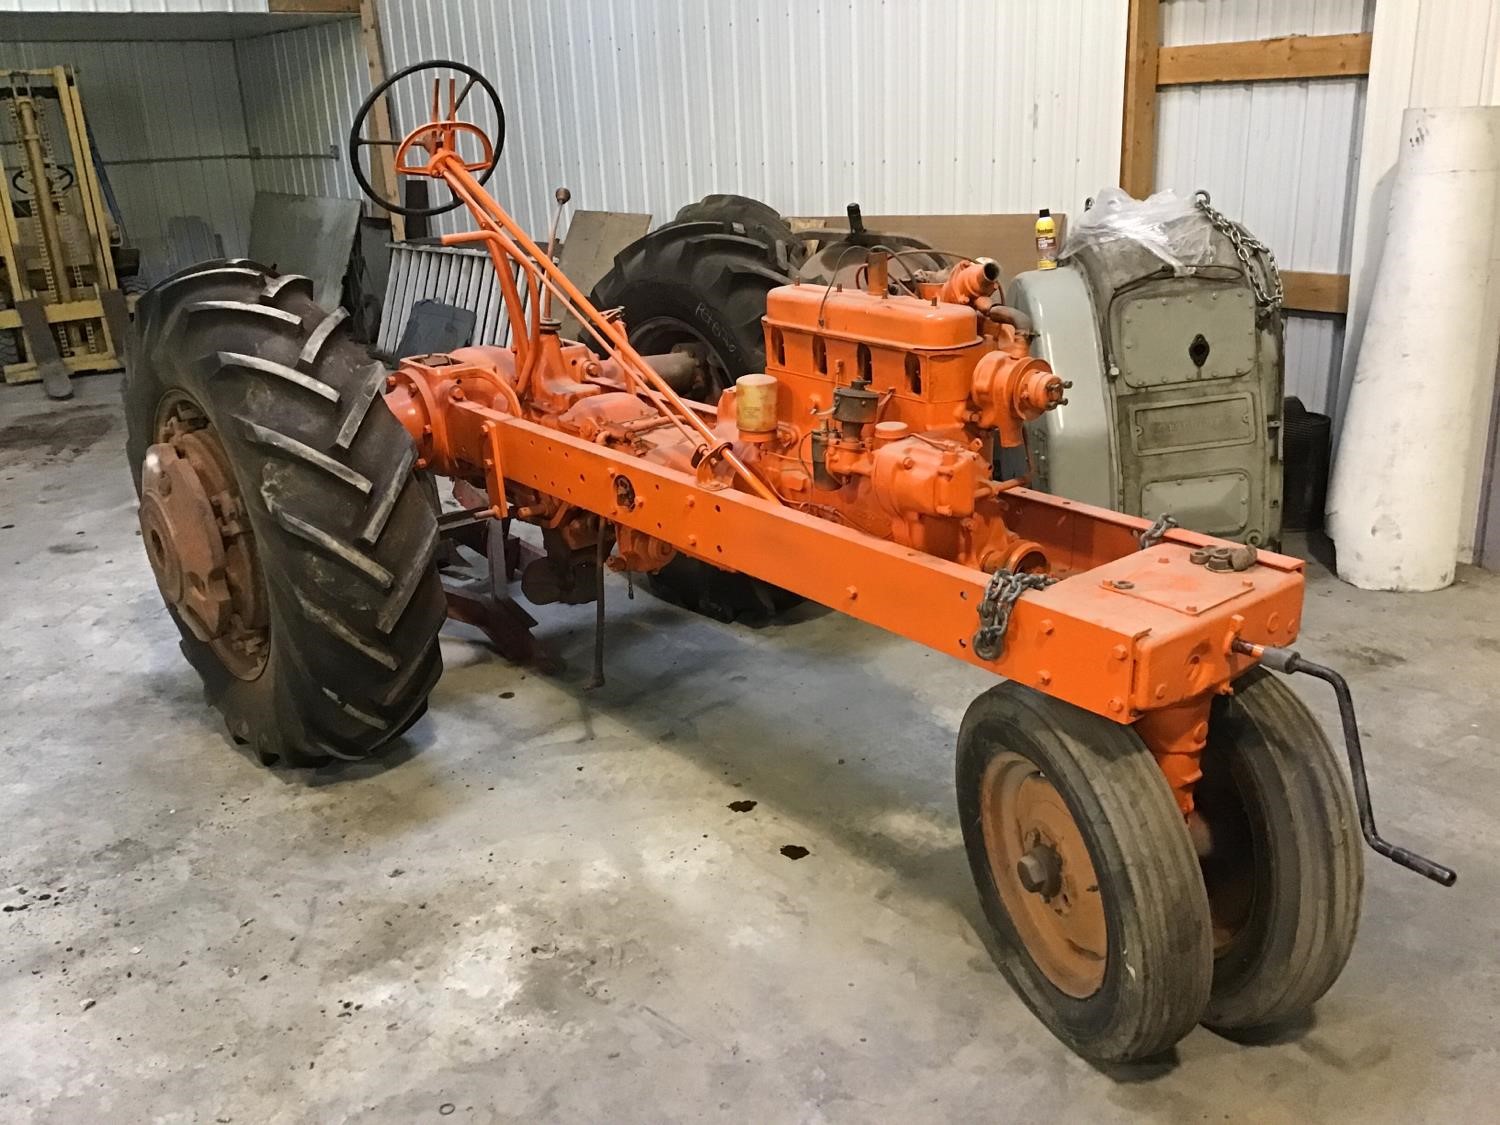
(698, 286)
(701, 287)
(1285, 869)
(754, 219)
(1086, 873)
(290, 532)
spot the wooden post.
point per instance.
(382, 157)
(1138, 140)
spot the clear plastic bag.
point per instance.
(1165, 224)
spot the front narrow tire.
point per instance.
(1285, 870)
(1095, 905)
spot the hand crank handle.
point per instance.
(1287, 661)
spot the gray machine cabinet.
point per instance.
(1177, 388)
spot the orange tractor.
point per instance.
(1159, 830)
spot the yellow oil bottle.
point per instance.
(1046, 240)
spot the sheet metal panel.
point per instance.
(453, 275)
(1227, 21)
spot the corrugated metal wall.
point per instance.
(167, 121)
(946, 106)
(1281, 157)
(301, 89)
(935, 107)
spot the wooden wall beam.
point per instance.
(1138, 139)
(1265, 60)
(1315, 292)
(309, 7)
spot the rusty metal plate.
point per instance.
(1163, 576)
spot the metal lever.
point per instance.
(562, 195)
(1287, 661)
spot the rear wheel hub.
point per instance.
(199, 543)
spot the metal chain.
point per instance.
(1000, 596)
(1157, 531)
(1265, 276)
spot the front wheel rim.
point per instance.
(1041, 867)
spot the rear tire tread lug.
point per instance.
(328, 543)
(308, 358)
(313, 458)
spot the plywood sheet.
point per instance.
(594, 238)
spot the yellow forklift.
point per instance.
(61, 309)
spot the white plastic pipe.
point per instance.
(1397, 494)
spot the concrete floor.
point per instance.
(544, 909)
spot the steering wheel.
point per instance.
(442, 130)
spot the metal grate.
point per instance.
(453, 275)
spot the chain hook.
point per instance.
(1000, 596)
(1264, 275)
(1157, 531)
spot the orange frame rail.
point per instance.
(1148, 634)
